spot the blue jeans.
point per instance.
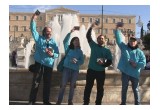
(71, 76)
(135, 87)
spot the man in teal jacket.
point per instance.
(100, 58)
(132, 60)
(45, 54)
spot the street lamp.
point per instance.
(14, 32)
(102, 21)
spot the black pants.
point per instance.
(14, 62)
(90, 77)
(46, 73)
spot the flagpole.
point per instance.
(102, 21)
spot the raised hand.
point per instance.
(119, 24)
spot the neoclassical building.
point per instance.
(19, 22)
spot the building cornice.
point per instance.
(62, 10)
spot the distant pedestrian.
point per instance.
(13, 59)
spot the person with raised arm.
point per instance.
(45, 54)
(131, 62)
(100, 58)
(73, 59)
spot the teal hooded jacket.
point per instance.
(40, 55)
(72, 53)
(128, 54)
(98, 51)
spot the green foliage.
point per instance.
(146, 41)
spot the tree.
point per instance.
(146, 38)
(146, 41)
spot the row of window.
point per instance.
(82, 19)
(105, 31)
(16, 28)
(106, 20)
(23, 18)
(92, 19)
(23, 28)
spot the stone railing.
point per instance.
(20, 85)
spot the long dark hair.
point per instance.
(71, 46)
(44, 30)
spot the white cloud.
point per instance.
(43, 8)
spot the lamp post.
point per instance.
(102, 21)
(14, 33)
(14, 30)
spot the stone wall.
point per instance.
(20, 85)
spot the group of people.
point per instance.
(131, 61)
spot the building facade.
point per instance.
(19, 22)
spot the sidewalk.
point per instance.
(54, 103)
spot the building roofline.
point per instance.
(61, 8)
(23, 13)
(110, 15)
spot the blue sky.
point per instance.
(137, 10)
